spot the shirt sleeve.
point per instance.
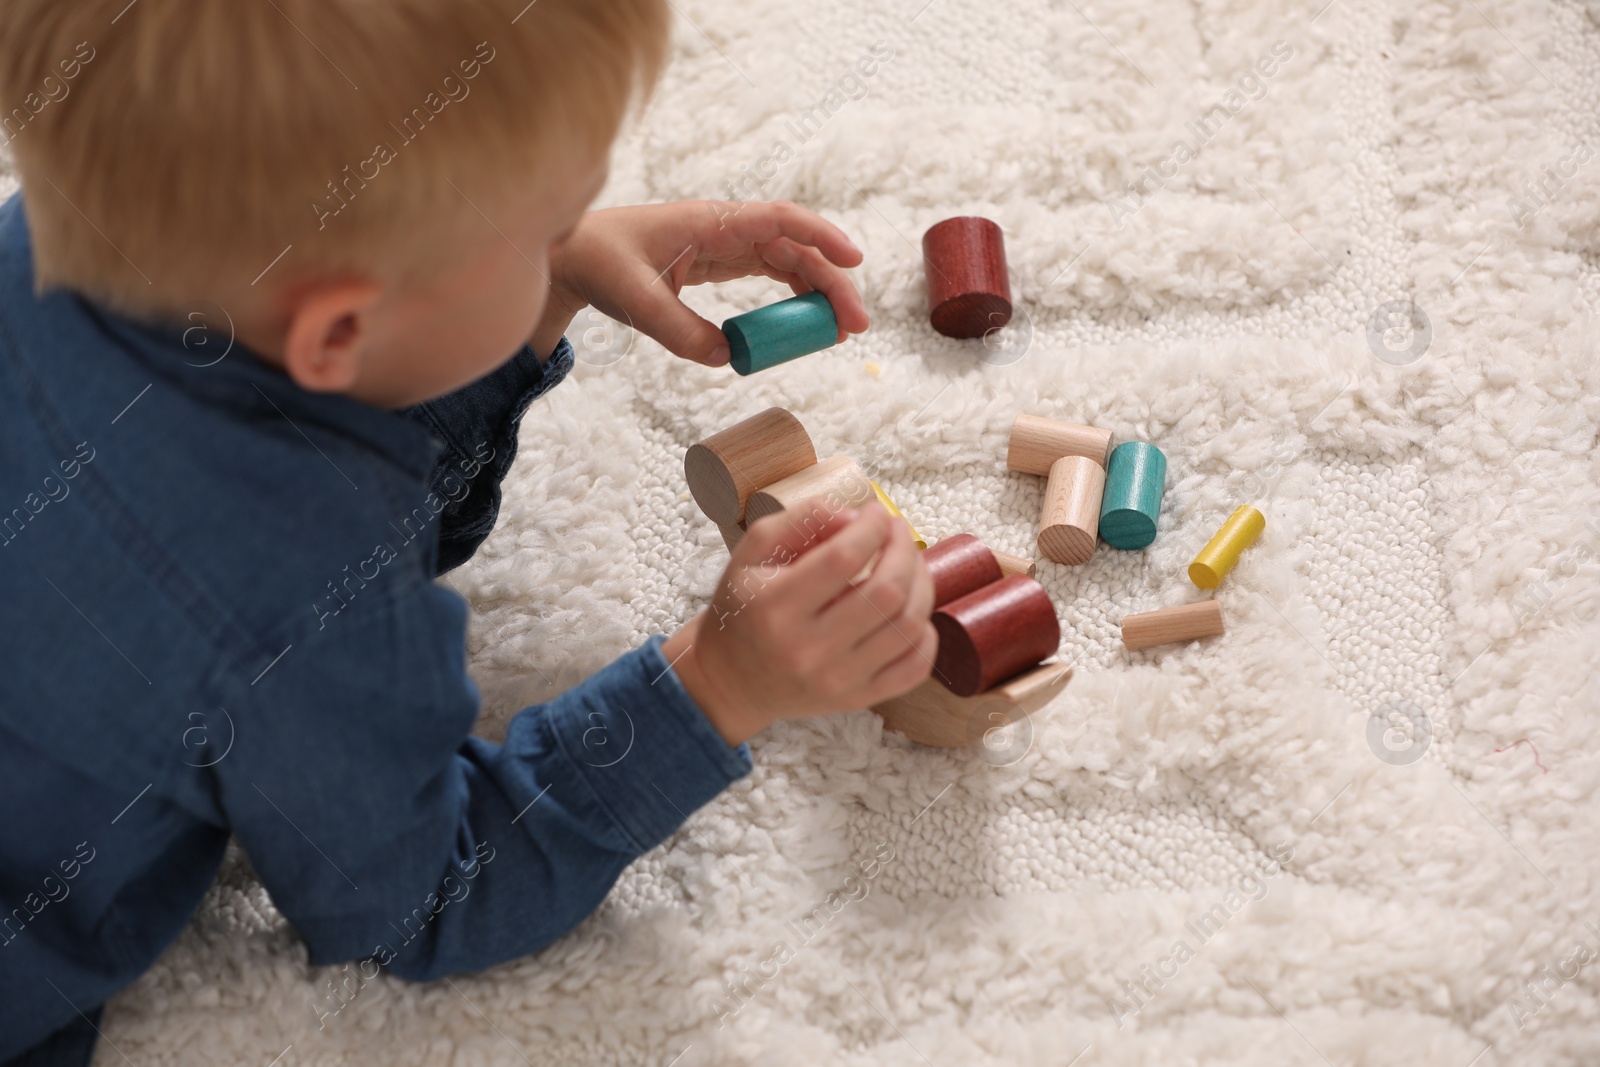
(383, 830)
(478, 425)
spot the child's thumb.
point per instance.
(789, 534)
(685, 334)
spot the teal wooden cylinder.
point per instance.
(1136, 476)
(780, 332)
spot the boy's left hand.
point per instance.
(631, 263)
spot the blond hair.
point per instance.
(170, 149)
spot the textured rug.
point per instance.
(1335, 258)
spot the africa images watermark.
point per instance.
(52, 90)
(55, 490)
(742, 989)
(452, 890)
(53, 889)
(848, 493)
(343, 190)
(1553, 178)
(1251, 86)
(1251, 886)
(1547, 981)
(411, 528)
(806, 125)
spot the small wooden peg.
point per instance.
(725, 469)
(1071, 518)
(1036, 444)
(883, 498)
(1010, 565)
(1172, 625)
(1222, 551)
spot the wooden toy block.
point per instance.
(1010, 565)
(731, 536)
(990, 635)
(725, 469)
(969, 290)
(840, 481)
(960, 565)
(883, 498)
(1172, 625)
(1036, 444)
(1223, 550)
(1136, 477)
(781, 332)
(932, 715)
(1071, 517)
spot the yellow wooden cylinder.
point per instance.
(1222, 551)
(883, 498)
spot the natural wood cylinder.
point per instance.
(1036, 444)
(969, 289)
(727, 468)
(1010, 565)
(987, 636)
(839, 481)
(1172, 625)
(960, 565)
(1070, 521)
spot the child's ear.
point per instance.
(328, 333)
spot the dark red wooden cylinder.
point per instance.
(969, 290)
(987, 636)
(960, 565)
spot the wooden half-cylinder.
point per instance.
(960, 565)
(1187, 622)
(1036, 444)
(839, 481)
(1070, 521)
(725, 469)
(932, 715)
(989, 635)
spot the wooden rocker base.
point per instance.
(932, 715)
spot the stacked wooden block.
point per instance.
(995, 623)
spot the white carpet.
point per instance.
(1426, 548)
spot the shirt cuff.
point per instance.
(647, 754)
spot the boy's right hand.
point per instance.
(790, 634)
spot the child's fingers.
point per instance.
(783, 538)
(908, 671)
(823, 277)
(659, 313)
(826, 571)
(758, 223)
(885, 594)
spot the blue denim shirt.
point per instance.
(218, 616)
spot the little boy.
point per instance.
(281, 282)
